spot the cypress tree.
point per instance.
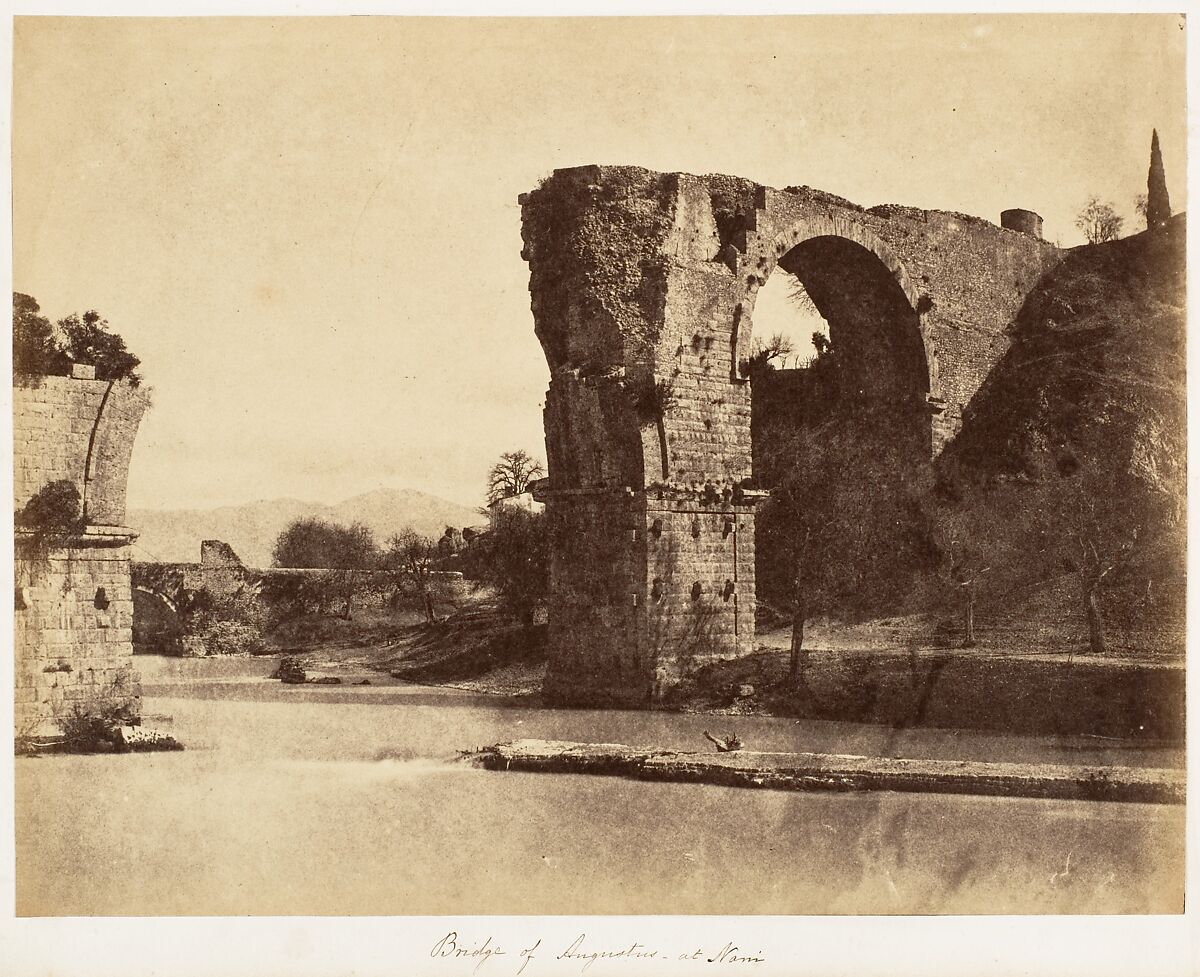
(1158, 204)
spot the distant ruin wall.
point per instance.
(642, 289)
(161, 591)
(74, 607)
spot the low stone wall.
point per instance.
(164, 591)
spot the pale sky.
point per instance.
(308, 228)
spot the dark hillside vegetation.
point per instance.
(1069, 473)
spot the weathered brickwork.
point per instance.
(79, 430)
(647, 589)
(74, 634)
(74, 607)
(642, 289)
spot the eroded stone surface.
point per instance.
(643, 288)
(74, 607)
(817, 771)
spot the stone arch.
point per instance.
(157, 628)
(884, 369)
(158, 596)
(762, 260)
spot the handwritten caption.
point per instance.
(478, 953)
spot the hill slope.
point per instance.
(1073, 455)
(174, 535)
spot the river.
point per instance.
(345, 800)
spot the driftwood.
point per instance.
(731, 742)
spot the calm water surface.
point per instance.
(345, 800)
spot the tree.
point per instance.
(762, 355)
(407, 558)
(968, 529)
(348, 552)
(1099, 221)
(39, 351)
(1098, 535)
(843, 523)
(1158, 203)
(513, 556)
(450, 543)
(512, 474)
(34, 348)
(87, 339)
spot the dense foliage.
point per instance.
(40, 349)
(513, 557)
(54, 509)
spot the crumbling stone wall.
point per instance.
(74, 608)
(642, 289)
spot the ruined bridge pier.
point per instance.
(73, 606)
(642, 289)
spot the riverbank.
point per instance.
(833, 772)
(1038, 691)
(858, 675)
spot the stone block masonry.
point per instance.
(642, 289)
(73, 644)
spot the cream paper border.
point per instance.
(400, 946)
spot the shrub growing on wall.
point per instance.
(40, 349)
(51, 518)
(54, 510)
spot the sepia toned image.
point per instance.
(725, 466)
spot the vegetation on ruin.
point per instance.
(42, 349)
(52, 517)
(1099, 221)
(54, 510)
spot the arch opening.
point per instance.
(863, 363)
(840, 439)
(157, 629)
(785, 315)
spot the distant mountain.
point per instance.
(174, 535)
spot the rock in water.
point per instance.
(290, 672)
(138, 738)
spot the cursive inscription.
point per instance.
(580, 955)
(450, 946)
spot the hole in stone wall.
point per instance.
(101, 599)
(656, 591)
(696, 528)
(728, 591)
(696, 590)
(656, 528)
(19, 603)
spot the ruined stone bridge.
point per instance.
(643, 288)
